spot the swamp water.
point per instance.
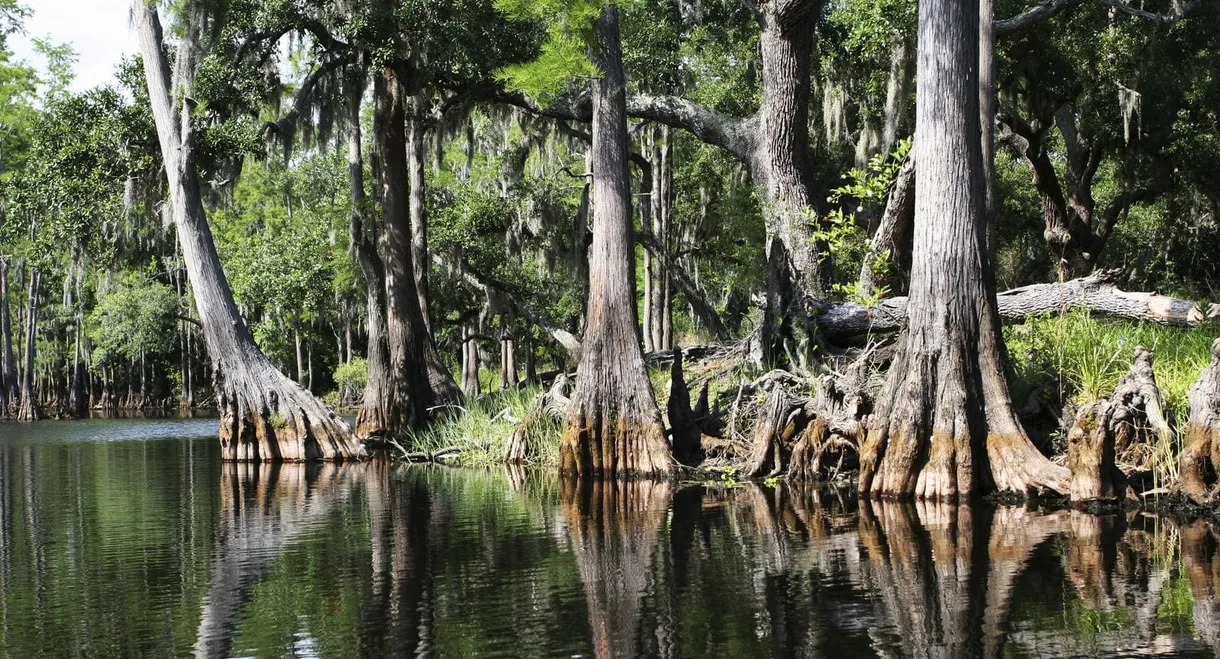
(129, 538)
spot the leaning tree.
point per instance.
(945, 425)
(263, 414)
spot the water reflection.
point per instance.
(153, 548)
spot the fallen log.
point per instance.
(1095, 292)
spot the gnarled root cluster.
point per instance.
(815, 438)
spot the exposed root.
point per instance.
(272, 419)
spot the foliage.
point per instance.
(483, 427)
(135, 320)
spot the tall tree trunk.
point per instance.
(29, 404)
(296, 339)
(796, 276)
(614, 427)
(263, 414)
(417, 378)
(9, 395)
(470, 364)
(416, 153)
(944, 418)
(373, 419)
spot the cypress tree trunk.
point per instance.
(470, 365)
(1200, 459)
(29, 404)
(263, 414)
(418, 381)
(796, 278)
(614, 427)
(944, 420)
(373, 418)
(416, 149)
(8, 365)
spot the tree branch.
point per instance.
(1043, 11)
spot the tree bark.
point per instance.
(418, 381)
(28, 411)
(1200, 459)
(1091, 456)
(944, 418)
(470, 365)
(9, 394)
(1095, 293)
(416, 154)
(263, 414)
(614, 427)
(374, 416)
(796, 278)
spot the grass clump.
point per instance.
(1075, 358)
(481, 429)
(1091, 354)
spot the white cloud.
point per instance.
(98, 30)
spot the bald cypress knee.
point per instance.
(945, 426)
(614, 426)
(264, 415)
(1198, 463)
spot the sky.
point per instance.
(98, 30)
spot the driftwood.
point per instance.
(552, 404)
(1200, 458)
(1095, 292)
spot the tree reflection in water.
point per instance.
(375, 560)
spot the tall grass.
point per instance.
(481, 428)
(1087, 356)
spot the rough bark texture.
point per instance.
(614, 427)
(1096, 292)
(416, 150)
(1200, 459)
(944, 419)
(418, 381)
(374, 416)
(796, 279)
(1091, 455)
(263, 414)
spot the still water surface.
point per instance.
(131, 539)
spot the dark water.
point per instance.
(131, 539)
